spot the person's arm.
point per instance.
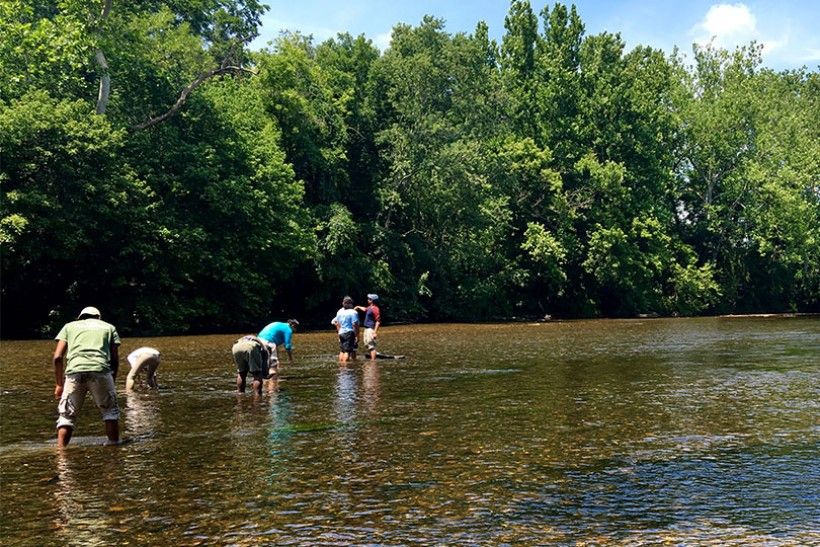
(360, 308)
(356, 330)
(289, 343)
(115, 360)
(59, 365)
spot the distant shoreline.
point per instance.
(309, 327)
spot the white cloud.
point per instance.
(773, 45)
(783, 37)
(382, 41)
(726, 24)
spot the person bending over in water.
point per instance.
(347, 327)
(278, 334)
(145, 360)
(250, 354)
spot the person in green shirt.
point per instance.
(86, 359)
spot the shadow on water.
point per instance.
(692, 431)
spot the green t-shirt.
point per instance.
(89, 345)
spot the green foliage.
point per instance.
(748, 199)
(38, 53)
(695, 289)
(547, 252)
(462, 180)
(60, 231)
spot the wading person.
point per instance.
(347, 328)
(372, 321)
(143, 360)
(86, 359)
(250, 354)
(278, 334)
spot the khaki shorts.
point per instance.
(248, 357)
(101, 386)
(370, 338)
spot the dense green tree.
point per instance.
(746, 168)
(152, 166)
(441, 215)
(190, 224)
(64, 194)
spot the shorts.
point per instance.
(370, 338)
(249, 357)
(273, 355)
(101, 386)
(347, 342)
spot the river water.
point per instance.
(622, 432)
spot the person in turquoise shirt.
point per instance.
(278, 334)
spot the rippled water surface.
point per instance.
(680, 431)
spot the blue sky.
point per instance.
(788, 29)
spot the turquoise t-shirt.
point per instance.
(89, 345)
(278, 333)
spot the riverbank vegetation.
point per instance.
(153, 166)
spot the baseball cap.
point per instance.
(89, 310)
(373, 296)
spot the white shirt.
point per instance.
(135, 355)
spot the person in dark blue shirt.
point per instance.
(372, 321)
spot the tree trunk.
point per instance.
(102, 63)
(105, 83)
(187, 91)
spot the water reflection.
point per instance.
(142, 419)
(84, 508)
(692, 432)
(349, 395)
(346, 396)
(371, 385)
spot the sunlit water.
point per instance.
(685, 431)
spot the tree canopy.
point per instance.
(155, 167)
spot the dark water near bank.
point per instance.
(685, 431)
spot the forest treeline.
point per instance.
(155, 167)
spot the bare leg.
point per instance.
(257, 385)
(64, 436)
(240, 381)
(151, 373)
(112, 431)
